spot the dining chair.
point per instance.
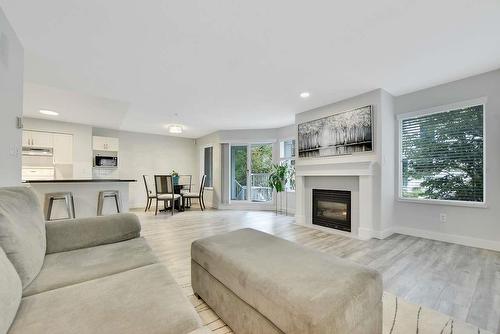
(164, 185)
(186, 182)
(150, 195)
(198, 195)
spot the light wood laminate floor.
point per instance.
(460, 281)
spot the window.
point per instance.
(208, 165)
(441, 155)
(287, 156)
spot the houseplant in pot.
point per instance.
(278, 179)
(175, 178)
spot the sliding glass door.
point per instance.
(239, 173)
(250, 168)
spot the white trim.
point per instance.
(359, 157)
(336, 169)
(446, 237)
(202, 162)
(248, 146)
(443, 108)
(382, 234)
(365, 233)
(443, 202)
(435, 110)
(239, 142)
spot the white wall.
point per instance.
(11, 103)
(472, 226)
(146, 154)
(82, 142)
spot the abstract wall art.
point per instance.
(340, 134)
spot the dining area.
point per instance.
(170, 193)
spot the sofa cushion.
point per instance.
(142, 300)
(67, 268)
(69, 234)
(22, 231)
(10, 292)
(298, 289)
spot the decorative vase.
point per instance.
(175, 180)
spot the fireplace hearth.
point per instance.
(332, 208)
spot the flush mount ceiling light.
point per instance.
(175, 128)
(305, 95)
(48, 112)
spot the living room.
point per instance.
(249, 167)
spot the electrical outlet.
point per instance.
(442, 217)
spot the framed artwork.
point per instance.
(340, 134)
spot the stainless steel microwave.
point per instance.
(105, 161)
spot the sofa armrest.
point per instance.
(70, 234)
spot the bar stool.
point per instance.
(67, 197)
(107, 194)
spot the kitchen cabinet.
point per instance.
(37, 139)
(105, 144)
(63, 149)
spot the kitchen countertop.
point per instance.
(80, 181)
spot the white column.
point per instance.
(300, 200)
(365, 230)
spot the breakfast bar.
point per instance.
(85, 195)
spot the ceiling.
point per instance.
(221, 64)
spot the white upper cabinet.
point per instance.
(105, 144)
(37, 139)
(63, 149)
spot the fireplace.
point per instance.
(332, 208)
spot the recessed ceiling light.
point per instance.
(305, 95)
(175, 128)
(49, 112)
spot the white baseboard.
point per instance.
(384, 233)
(365, 233)
(452, 238)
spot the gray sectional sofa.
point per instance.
(94, 275)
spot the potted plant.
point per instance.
(175, 178)
(278, 179)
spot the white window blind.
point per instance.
(442, 155)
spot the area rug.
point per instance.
(400, 317)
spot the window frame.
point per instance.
(203, 166)
(436, 110)
(292, 158)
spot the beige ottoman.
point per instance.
(258, 283)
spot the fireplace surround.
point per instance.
(332, 208)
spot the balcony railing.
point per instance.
(260, 190)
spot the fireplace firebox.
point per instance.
(332, 208)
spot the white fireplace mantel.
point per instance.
(335, 169)
(363, 169)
